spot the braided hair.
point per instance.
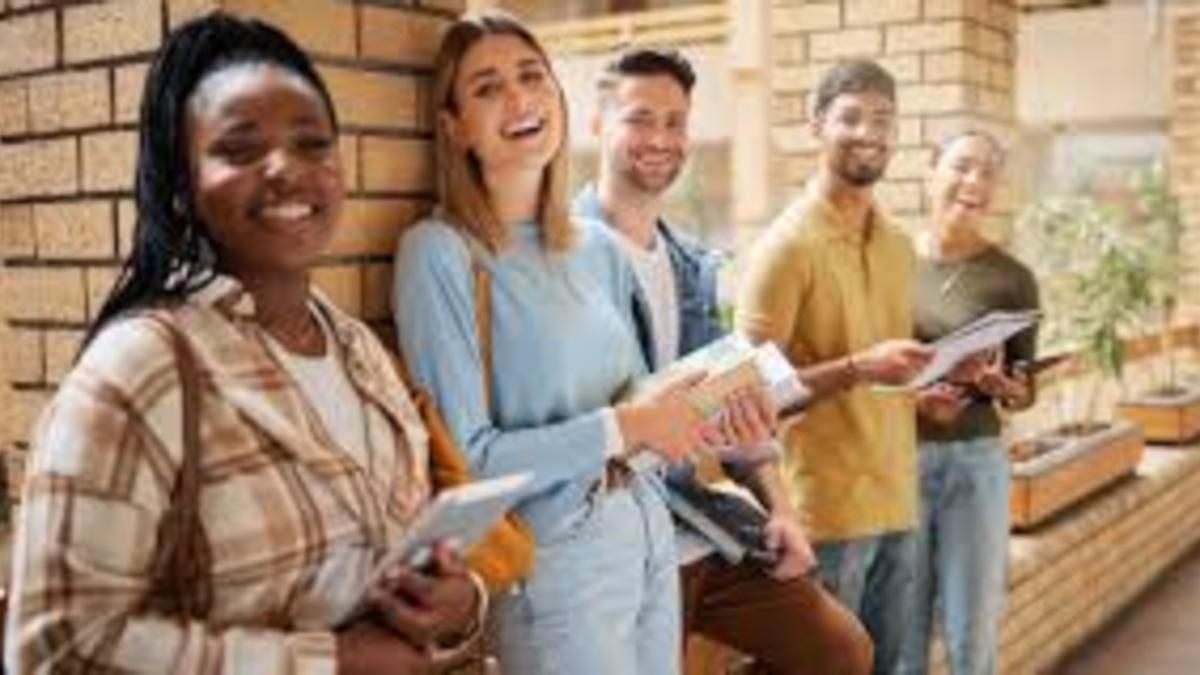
(173, 252)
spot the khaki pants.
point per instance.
(788, 627)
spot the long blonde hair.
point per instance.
(461, 190)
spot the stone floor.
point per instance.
(1158, 635)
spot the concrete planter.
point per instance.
(1169, 418)
(1069, 468)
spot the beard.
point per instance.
(651, 182)
(858, 172)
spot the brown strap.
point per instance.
(183, 559)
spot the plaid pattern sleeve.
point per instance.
(293, 523)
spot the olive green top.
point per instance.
(950, 295)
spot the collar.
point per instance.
(826, 219)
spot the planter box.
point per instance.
(1165, 419)
(1075, 468)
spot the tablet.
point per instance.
(462, 514)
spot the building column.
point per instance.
(71, 77)
(1184, 144)
(954, 63)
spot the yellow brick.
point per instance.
(99, 281)
(899, 196)
(17, 237)
(371, 226)
(399, 35)
(377, 292)
(858, 42)
(903, 67)
(956, 66)
(910, 131)
(806, 18)
(73, 230)
(397, 165)
(108, 160)
(129, 81)
(343, 285)
(796, 78)
(22, 357)
(874, 12)
(924, 37)
(25, 405)
(69, 100)
(373, 99)
(789, 108)
(932, 98)
(14, 107)
(991, 43)
(179, 11)
(909, 163)
(977, 10)
(126, 222)
(793, 139)
(320, 26)
(348, 149)
(454, 7)
(38, 168)
(47, 294)
(28, 43)
(61, 348)
(116, 28)
(790, 48)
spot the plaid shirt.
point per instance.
(294, 522)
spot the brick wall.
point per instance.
(953, 60)
(70, 83)
(1185, 136)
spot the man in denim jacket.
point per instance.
(781, 617)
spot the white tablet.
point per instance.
(462, 514)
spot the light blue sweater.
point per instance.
(562, 347)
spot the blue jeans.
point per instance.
(962, 554)
(872, 577)
(604, 594)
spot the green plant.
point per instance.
(1159, 224)
(1096, 284)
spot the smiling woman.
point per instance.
(215, 479)
(604, 593)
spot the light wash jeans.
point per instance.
(872, 577)
(962, 554)
(604, 595)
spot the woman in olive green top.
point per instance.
(963, 529)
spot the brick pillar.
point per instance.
(1184, 137)
(70, 84)
(954, 62)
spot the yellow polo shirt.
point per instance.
(821, 291)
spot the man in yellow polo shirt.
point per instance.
(831, 283)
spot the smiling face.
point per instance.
(509, 106)
(644, 131)
(963, 181)
(266, 176)
(856, 132)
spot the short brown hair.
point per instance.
(645, 61)
(853, 77)
(460, 186)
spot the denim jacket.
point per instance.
(695, 270)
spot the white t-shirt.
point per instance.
(657, 279)
(325, 384)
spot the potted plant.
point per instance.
(1169, 412)
(1094, 286)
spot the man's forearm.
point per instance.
(766, 482)
(830, 377)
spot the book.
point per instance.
(987, 332)
(732, 524)
(462, 515)
(731, 363)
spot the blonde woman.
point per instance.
(604, 595)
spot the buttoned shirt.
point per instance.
(822, 289)
(294, 522)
